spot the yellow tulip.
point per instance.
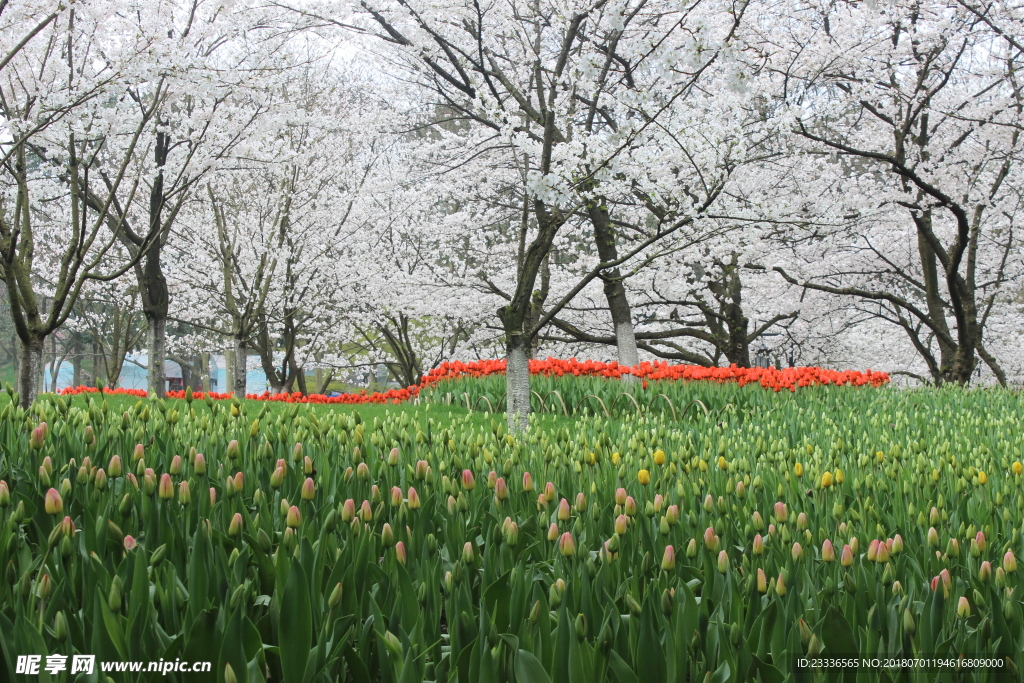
(798, 470)
(826, 480)
(644, 477)
(982, 478)
(659, 457)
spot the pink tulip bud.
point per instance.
(758, 521)
(963, 608)
(213, 496)
(5, 494)
(980, 539)
(501, 489)
(985, 571)
(883, 553)
(933, 537)
(396, 496)
(468, 554)
(897, 545)
(947, 581)
(363, 472)
(348, 511)
(549, 491)
(235, 527)
(35, 441)
(365, 512)
(492, 478)
(468, 483)
(801, 521)
(297, 452)
(828, 552)
(414, 499)
(553, 532)
(710, 539)
(542, 502)
(527, 481)
(387, 536)
(308, 489)
(1009, 562)
(659, 502)
(422, 468)
(100, 479)
(393, 457)
(239, 482)
(781, 513)
(873, 550)
(567, 545)
(138, 453)
(115, 468)
(184, 495)
(293, 518)
(668, 560)
(277, 478)
(757, 547)
(199, 464)
(780, 585)
(762, 581)
(630, 507)
(166, 489)
(52, 502)
(723, 561)
(621, 525)
(129, 543)
(67, 526)
(796, 552)
(620, 496)
(563, 510)
(846, 559)
(400, 552)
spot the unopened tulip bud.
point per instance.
(500, 489)
(549, 491)
(672, 515)
(387, 536)
(396, 496)
(297, 453)
(420, 472)
(468, 553)
(52, 503)
(780, 585)
(630, 507)
(293, 518)
(668, 560)
(363, 472)
(758, 521)
(828, 552)
(963, 608)
(797, 552)
(710, 539)
(947, 581)
(621, 524)
(691, 548)
(1009, 562)
(564, 513)
(35, 441)
(414, 499)
(883, 553)
(644, 477)
(846, 559)
(184, 495)
(199, 464)
(468, 482)
(781, 513)
(527, 481)
(166, 489)
(129, 543)
(511, 534)
(723, 561)
(335, 598)
(99, 480)
(873, 550)
(933, 516)
(709, 503)
(581, 503)
(213, 496)
(801, 521)
(277, 478)
(235, 527)
(114, 468)
(567, 545)
(758, 545)
(897, 545)
(400, 552)
(348, 511)
(138, 453)
(553, 532)
(5, 495)
(366, 512)
(985, 571)
(620, 496)
(393, 457)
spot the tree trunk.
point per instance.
(156, 348)
(614, 290)
(517, 380)
(204, 364)
(76, 363)
(239, 357)
(29, 367)
(229, 370)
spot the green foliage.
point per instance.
(397, 569)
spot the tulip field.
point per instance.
(727, 532)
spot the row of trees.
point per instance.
(333, 185)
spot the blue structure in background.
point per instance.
(133, 375)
